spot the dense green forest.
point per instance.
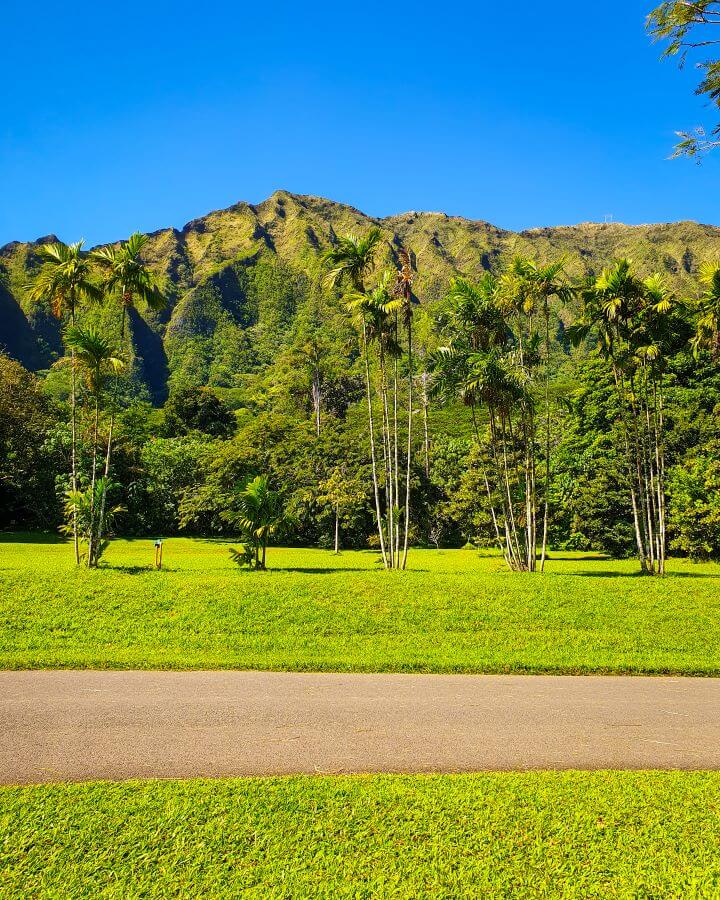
(251, 348)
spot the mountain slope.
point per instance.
(238, 276)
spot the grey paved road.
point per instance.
(71, 726)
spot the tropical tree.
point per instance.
(97, 358)
(260, 514)
(533, 286)
(128, 278)
(481, 367)
(345, 494)
(404, 290)
(631, 321)
(64, 281)
(348, 263)
(707, 335)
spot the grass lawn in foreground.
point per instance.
(581, 835)
(453, 611)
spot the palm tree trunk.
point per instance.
(389, 479)
(73, 432)
(548, 444)
(94, 522)
(376, 488)
(426, 439)
(409, 444)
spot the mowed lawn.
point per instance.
(579, 835)
(453, 611)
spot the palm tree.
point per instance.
(478, 367)
(707, 336)
(348, 263)
(127, 276)
(631, 319)
(403, 289)
(64, 281)
(260, 515)
(97, 358)
(537, 285)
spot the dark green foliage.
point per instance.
(198, 409)
(34, 448)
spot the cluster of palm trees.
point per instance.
(498, 359)
(383, 315)
(68, 280)
(498, 349)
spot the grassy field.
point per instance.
(455, 611)
(580, 835)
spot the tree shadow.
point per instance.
(328, 570)
(34, 537)
(666, 577)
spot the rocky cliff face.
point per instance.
(237, 276)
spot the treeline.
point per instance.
(526, 411)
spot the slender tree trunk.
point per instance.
(389, 478)
(337, 529)
(73, 433)
(548, 444)
(409, 443)
(372, 448)
(94, 523)
(426, 438)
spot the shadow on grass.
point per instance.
(666, 577)
(32, 537)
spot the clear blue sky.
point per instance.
(121, 117)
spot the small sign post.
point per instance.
(158, 553)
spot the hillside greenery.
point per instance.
(239, 355)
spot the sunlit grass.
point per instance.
(495, 835)
(453, 611)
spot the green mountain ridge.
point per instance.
(237, 277)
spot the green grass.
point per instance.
(559, 835)
(454, 611)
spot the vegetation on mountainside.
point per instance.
(562, 447)
(451, 611)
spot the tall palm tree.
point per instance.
(403, 289)
(539, 284)
(707, 336)
(631, 319)
(64, 281)
(374, 312)
(127, 276)
(348, 263)
(479, 368)
(97, 359)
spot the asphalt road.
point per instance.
(73, 726)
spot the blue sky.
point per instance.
(120, 118)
